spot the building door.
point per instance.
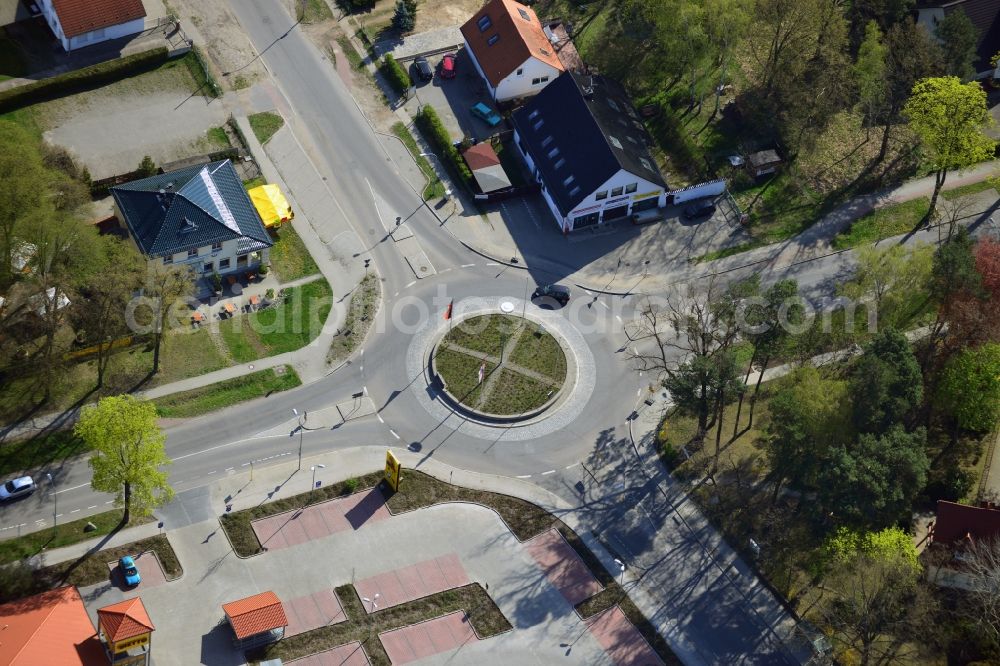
(585, 220)
(644, 204)
(615, 213)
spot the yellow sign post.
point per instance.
(392, 470)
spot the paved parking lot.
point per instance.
(150, 572)
(312, 611)
(452, 98)
(422, 640)
(563, 567)
(319, 520)
(413, 582)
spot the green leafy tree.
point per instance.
(886, 383)
(22, 201)
(872, 483)
(969, 389)
(128, 453)
(959, 39)
(809, 413)
(108, 294)
(949, 117)
(846, 544)
(703, 385)
(404, 18)
(895, 278)
(147, 167)
(871, 75)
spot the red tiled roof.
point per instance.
(49, 628)
(519, 39)
(955, 521)
(481, 156)
(257, 614)
(81, 16)
(124, 620)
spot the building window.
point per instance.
(192, 253)
(539, 124)
(484, 23)
(533, 115)
(629, 189)
(554, 152)
(216, 247)
(561, 161)
(520, 71)
(546, 141)
(616, 191)
(542, 79)
(208, 267)
(492, 40)
(574, 191)
(167, 260)
(601, 195)
(223, 264)
(524, 14)
(569, 179)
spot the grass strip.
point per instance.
(35, 453)
(360, 315)
(972, 188)
(434, 188)
(289, 257)
(66, 534)
(313, 11)
(352, 55)
(229, 392)
(195, 62)
(218, 137)
(482, 613)
(614, 595)
(265, 124)
(727, 251)
(882, 223)
(296, 320)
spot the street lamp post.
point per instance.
(313, 470)
(447, 191)
(371, 624)
(55, 503)
(621, 565)
(302, 422)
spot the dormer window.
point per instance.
(539, 124)
(561, 161)
(574, 191)
(554, 152)
(188, 226)
(569, 179)
(484, 23)
(492, 40)
(533, 115)
(546, 141)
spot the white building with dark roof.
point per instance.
(584, 143)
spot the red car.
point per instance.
(448, 66)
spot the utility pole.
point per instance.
(55, 503)
(302, 422)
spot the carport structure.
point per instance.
(256, 620)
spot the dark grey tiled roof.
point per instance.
(189, 208)
(592, 122)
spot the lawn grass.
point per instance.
(240, 340)
(33, 454)
(218, 137)
(289, 257)
(296, 321)
(485, 333)
(254, 182)
(265, 124)
(727, 251)
(460, 374)
(353, 57)
(434, 188)
(538, 350)
(514, 393)
(66, 534)
(313, 11)
(882, 223)
(203, 82)
(360, 315)
(971, 188)
(226, 393)
(480, 611)
(187, 353)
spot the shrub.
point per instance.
(147, 167)
(405, 17)
(430, 124)
(351, 485)
(395, 75)
(81, 79)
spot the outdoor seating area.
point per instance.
(242, 293)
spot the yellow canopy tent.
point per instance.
(271, 205)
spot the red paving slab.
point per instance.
(312, 611)
(563, 567)
(150, 573)
(620, 639)
(350, 654)
(320, 520)
(426, 638)
(413, 582)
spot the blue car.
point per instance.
(486, 114)
(129, 571)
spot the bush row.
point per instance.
(430, 124)
(81, 79)
(395, 74)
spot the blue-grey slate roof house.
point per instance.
(200, 215)
(586, 145)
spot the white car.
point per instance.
(16, 489)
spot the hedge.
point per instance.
(81, 79)
(430, 124)
(395, 75)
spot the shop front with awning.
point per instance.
(271, 205)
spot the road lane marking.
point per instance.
(605, 305)
(393, 433)
(524, 476)
(551, 471)
(380, 419)
(619, 318)
(492, 263)
(109, 501)
(66, 490)
(93, 506)
(212, 472)
(59, 515)
(571, 466)
(74, 511)
(467, 265)
(229, 469)
(410, 285)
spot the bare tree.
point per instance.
(982, 566)
(166, 285)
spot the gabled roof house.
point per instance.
(79, 23)
(584, 143)
(511, 50)
(200, 215)
(51, 627)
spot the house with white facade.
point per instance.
(584, 143)
(79, 23)
(200, 216)
(511, 50)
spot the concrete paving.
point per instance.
(312, 611)
(422, 579)
(350, 654)
(419, 641)
(563, 567)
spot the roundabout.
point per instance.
(500, 367)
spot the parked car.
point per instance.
(448, 66)
(551, 295)
(423, 68)
(486, 114)
(700, 208)
(17, 488)
(130, 573)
